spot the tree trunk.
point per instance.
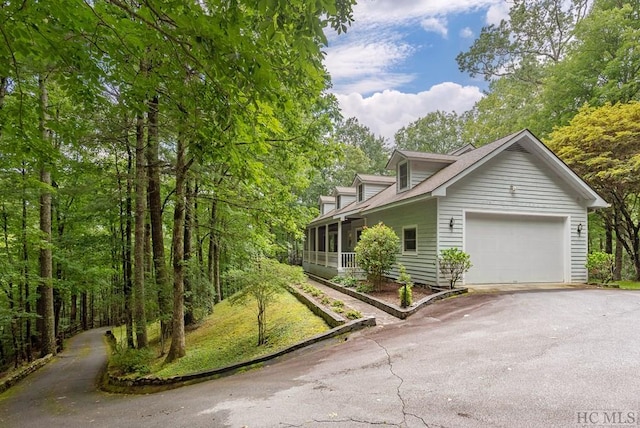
(25, 268)
(214, 254)
(126, 254)
(138, 283)
(45, 287)
(178, 348)
(84, 308)
(155, 212)
(189, 317)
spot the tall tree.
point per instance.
(48, 339)
(140, 209)
(603, 145)
(538, 32)
(437, 132)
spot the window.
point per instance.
(360, 192)
(358, 234)
(338, 202)
(410, 239)
(403, 175)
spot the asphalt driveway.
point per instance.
(529, 359)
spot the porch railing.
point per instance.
(349, 261)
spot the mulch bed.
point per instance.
(388, 292)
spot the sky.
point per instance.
(396, 63)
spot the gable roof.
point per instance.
(462, 165)
(437, 184)
(327, 200)
(373, 179)
(401, 155)
(339, 190)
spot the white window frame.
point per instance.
(404, 248)
(360, 191)
(400, 165)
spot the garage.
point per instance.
(507, 248)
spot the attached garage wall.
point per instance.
(537, 191)
(515, 248)
(422, 265)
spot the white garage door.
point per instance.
(514, 248)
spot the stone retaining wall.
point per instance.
(394, 310)
(154, 384)
(24, 372)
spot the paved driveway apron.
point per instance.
(527, 359)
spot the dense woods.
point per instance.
(145, 149)
(149, 147)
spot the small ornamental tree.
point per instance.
(405, 292)
(262, 282)
(376, 252)
(600, 267)
(453, 264)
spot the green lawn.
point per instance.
(230, 335)
(629, 285)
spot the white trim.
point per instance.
(399, 180)
(410, 252)
(438, 242)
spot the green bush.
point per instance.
(453, 264)
(129, 361)
(376, 252)
(600, 267)
(364, 288)
(347, 280)
(337, 304)
(352, 314)
(405, 292)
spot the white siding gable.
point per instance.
(515, 182)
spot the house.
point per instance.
(513, 205)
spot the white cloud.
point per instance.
(388, 111)
(497, 12)
(371, 12)
(436, 25)
(364, 58)
(467, 33)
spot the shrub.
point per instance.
(364, 288)
(600, 266)
(347, 280)
(453, 264)
(352, 314)
(337, 304)
(127, 361)
(405, 292)
(376, 251)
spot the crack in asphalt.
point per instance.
(405, 413)
(358, 421)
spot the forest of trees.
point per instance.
(145, 148)
(148, 147)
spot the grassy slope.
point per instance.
(230, 335)
(629, 285)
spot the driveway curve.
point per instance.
(528, 359)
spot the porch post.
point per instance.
(315, 245)
(326, 245)
(339, 245)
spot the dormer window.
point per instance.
(403, 175)
(360, 192)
